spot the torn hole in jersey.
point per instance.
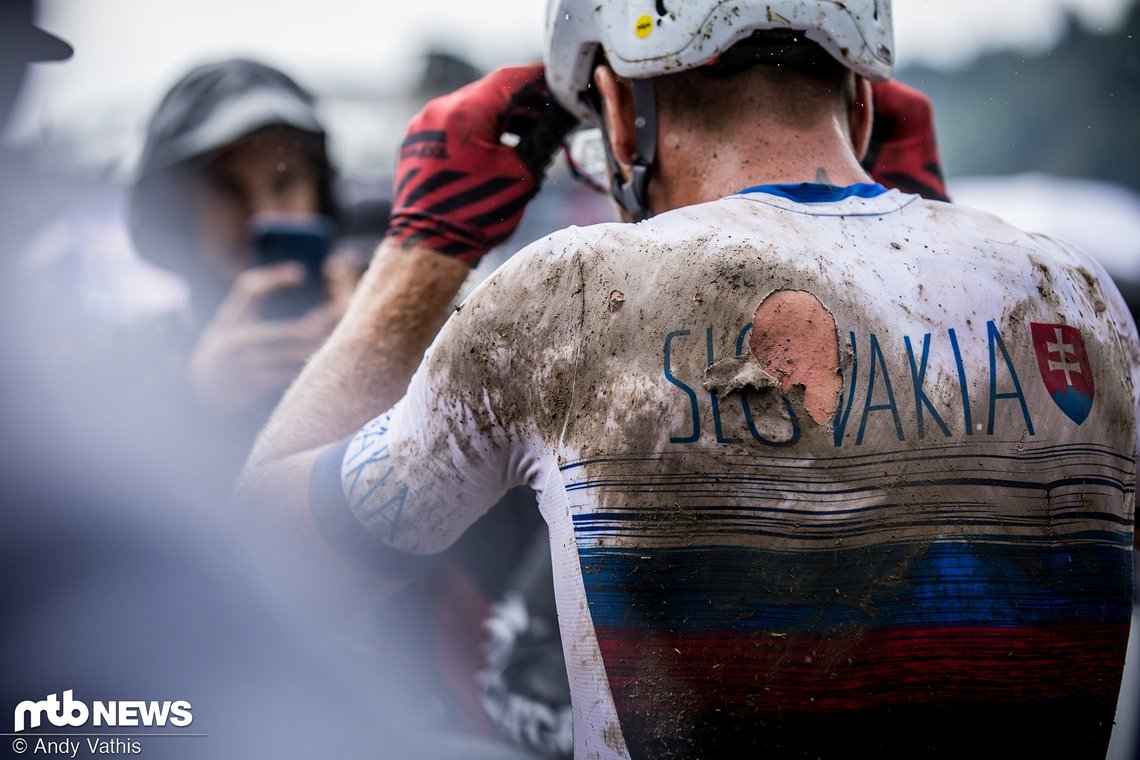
(794, 340)
(769, 412)
(794, 348)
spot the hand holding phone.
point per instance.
(242, 361)
(305, 240)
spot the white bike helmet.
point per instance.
(649, 38)
(642, 39)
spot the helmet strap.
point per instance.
(633, 194)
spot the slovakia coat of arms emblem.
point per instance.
(1065, 368)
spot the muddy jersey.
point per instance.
(824, 468)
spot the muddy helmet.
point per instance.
(648, 38)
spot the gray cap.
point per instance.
(210, 108)
(216, 104)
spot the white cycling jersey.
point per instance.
(817, 463)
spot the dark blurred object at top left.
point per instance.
(24, 40)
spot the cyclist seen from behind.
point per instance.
(826, 465)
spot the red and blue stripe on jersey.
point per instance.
(808, 604)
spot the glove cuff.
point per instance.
(413, 229)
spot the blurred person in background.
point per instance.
(233, 146)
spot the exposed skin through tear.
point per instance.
(794, 340)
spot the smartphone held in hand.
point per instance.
(306, 240)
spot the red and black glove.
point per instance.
(903, 153)
(461, 186)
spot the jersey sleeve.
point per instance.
(471, 426)
(1120, 314)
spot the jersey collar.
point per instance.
(815, 192)
(817, 199)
